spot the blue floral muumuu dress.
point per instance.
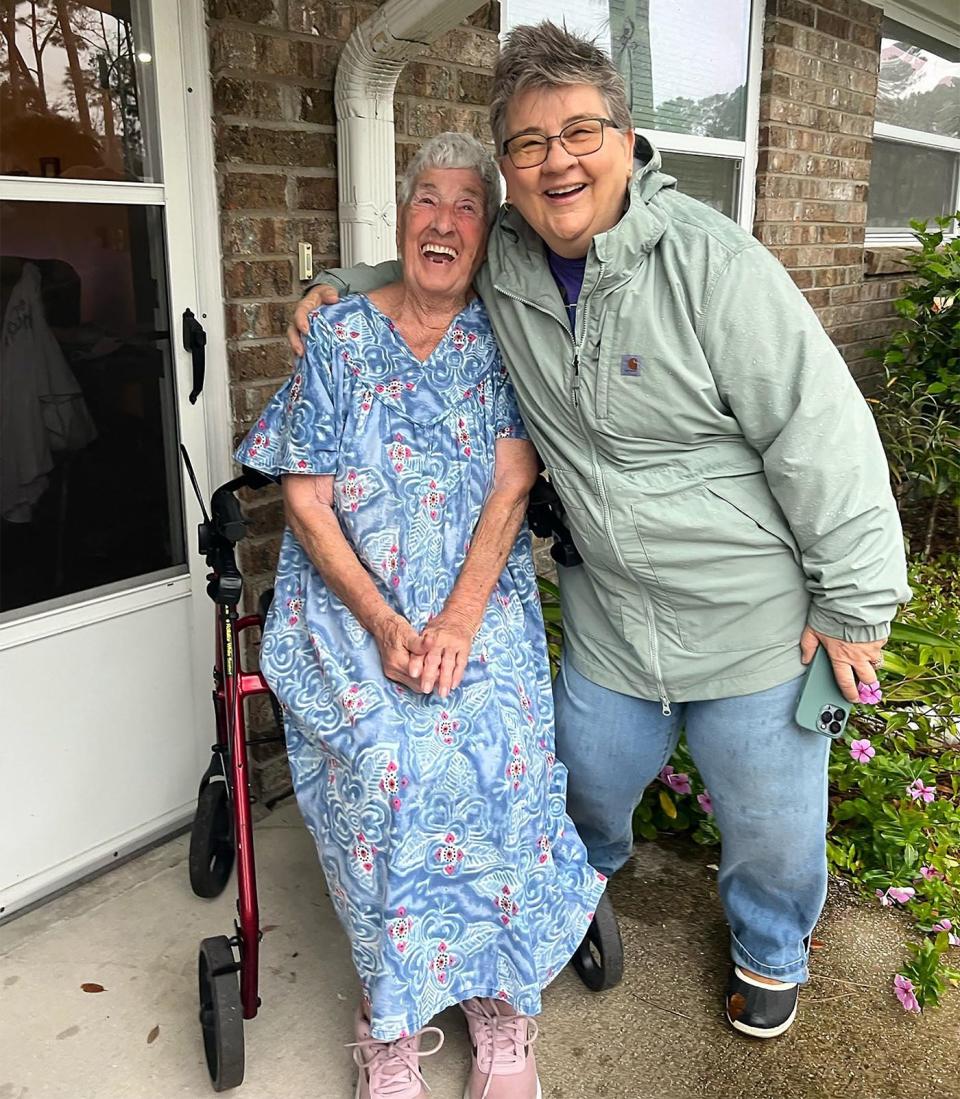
(440, 824)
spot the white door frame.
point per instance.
(202, 196)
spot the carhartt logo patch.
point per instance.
(630, 366)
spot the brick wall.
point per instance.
(817, 104)
(272, 69)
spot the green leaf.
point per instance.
(548, 587)
(846, 810)
(910, 634)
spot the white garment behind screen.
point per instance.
(42, 410)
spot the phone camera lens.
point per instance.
(835, 726)
(838, 715)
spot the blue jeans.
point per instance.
(767, 778)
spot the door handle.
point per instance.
(195, 341)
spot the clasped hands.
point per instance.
(436, 658)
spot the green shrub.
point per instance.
(924, 354)
(918, 413)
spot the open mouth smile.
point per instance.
(438, 253)
(565, 194)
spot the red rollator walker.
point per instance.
(222, 832)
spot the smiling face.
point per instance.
(442, 233)
(568, 199)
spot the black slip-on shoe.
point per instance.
(760, 1010)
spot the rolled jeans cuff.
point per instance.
(792, 971)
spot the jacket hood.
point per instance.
(515, 247)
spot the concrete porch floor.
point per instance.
(660, 1035)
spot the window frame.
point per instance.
(747, 150)
(928, 25)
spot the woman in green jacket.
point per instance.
(721, 476)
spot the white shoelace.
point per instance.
(502, 1040)
(392, 1067)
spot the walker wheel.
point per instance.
(599, 958)
(221, 1013)
(211, 841)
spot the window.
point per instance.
(691, 71)
(916, 150)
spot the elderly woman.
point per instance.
(406, 646)
(723, 481)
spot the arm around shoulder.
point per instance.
(360, 279)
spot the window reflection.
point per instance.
(76, 89)
(89, 480)
(684, 64)
(919, 82)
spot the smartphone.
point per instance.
(821, 707)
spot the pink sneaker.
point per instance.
(390, 1070)
(503, 1066)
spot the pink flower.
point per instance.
(862, 751)
(901, 894)
(869, 693)
(903, 989)
(679, 782)
(919, 792)
(929, 873)
(705, 802)
(946, 924)
(896, 893)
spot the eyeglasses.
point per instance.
(579, 138)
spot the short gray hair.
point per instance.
(548, 56)
(453, 150)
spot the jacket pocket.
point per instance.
(750, 495)
(732, 578)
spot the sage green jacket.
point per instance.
(721, 473)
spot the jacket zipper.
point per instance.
(575, 391)
(648, 603)
(655, 656)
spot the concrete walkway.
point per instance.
(660, 1035)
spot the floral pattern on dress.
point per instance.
(439, 823)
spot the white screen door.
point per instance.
(104, 641)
